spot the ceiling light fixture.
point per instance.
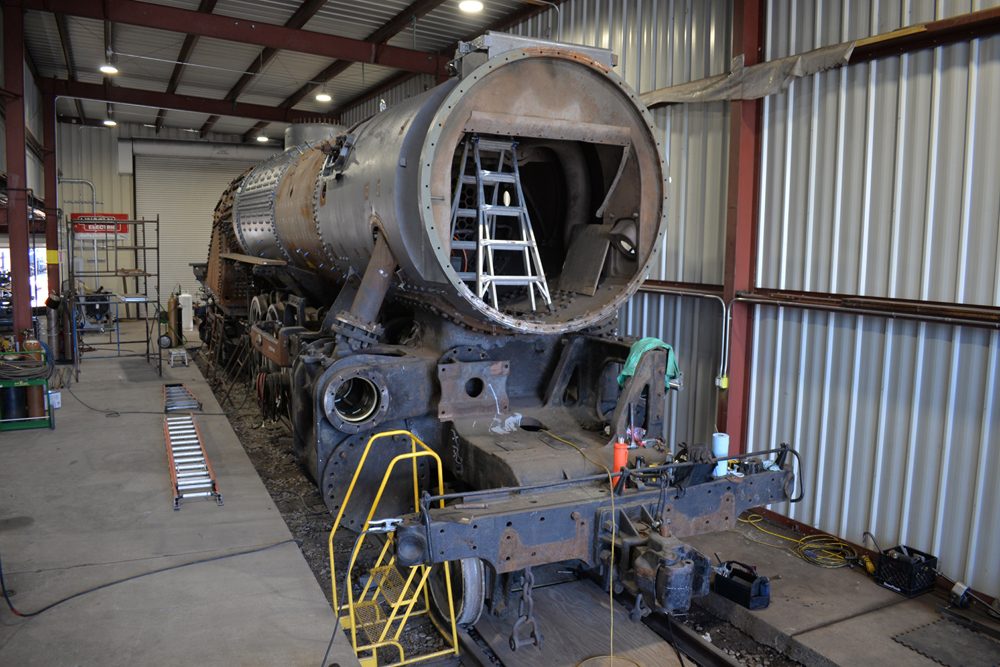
(470, 6)
(110, 123)
(261, 138)
(323, 97)
(108, 68)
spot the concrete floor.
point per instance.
(90, 502)
(820, 617)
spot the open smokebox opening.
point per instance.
(569, 206)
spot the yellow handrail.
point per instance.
(413, 456)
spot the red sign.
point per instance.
(90, 226)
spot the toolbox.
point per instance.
(738, 582)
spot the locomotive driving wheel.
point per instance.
(468, 589)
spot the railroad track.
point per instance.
(694, 648)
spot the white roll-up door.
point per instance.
(184, 193)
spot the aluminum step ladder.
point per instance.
(486, 214)
(190, 472)
(179, 397)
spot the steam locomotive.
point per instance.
(452, 267)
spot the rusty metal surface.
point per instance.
(585, 259)
(295, 212)
(560, 85)
(274, 348)
(551, 128)
(516, 556)
(473, 388)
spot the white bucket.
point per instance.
(720, 448)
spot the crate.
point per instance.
(910, 575)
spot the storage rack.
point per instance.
(145, 270)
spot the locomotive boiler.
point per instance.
(452, 267)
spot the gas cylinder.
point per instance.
(173, 321)
(33, 347)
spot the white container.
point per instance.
(187, 311)
(720, 448)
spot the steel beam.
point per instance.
(254, 131)
(957, 314)
(208, 125)
(414, 11)
(17, 168)
(51, 192)
(930, 35)
(206, 7)
(386, 85)
(68, 58)
(191, 22)
(150, 98)
(301, 16)
(741, 226)
(503, 23)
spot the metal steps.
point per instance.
(390, 582)
(371, 619)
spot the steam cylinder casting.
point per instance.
(577, 127)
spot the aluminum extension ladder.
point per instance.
(486, 214)
(179, 397)
(190, 472)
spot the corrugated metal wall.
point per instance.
(662, 44)
(163, 189)
(91, 153)
(880, 179)
(392, 97)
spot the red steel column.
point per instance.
(741, 225)
(17, 201)
(51, 198)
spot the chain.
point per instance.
(525, 610)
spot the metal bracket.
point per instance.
(383, 525)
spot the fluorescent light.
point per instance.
(109, 69)
(470, 6)
(261, 138)
(323, 97)
(110, 123)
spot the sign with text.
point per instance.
(100, 226)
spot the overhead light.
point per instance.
(323, 97)
(110, 123)
(470, 6)
(261, 138)
(108, 68)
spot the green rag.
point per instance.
(639, 348)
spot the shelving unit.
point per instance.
(100, 312)
(22, 420)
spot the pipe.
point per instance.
(200, 149)
(558, 14)
(723, 353)
(955, 321)
(93, 190)
(375, 282)
(727, 318)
